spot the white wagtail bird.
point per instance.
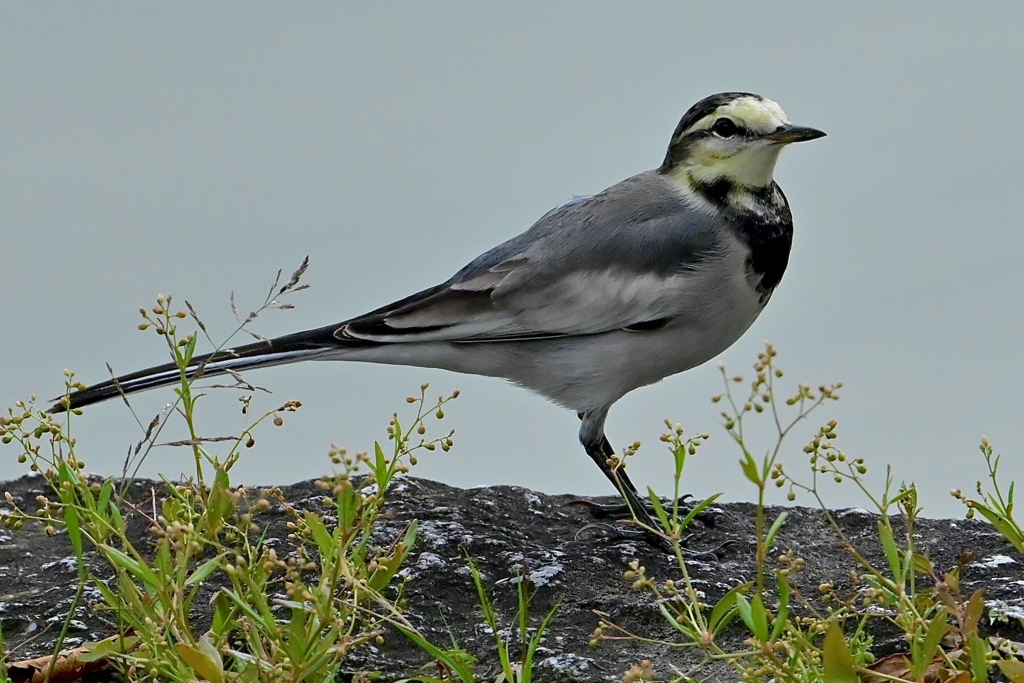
(653, 276)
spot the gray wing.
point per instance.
(621, 258)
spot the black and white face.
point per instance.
(738, 140)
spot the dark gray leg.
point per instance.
(600, 451)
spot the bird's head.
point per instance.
(731, 141)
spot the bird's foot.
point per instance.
(657, 540)
(621, 510)
(629, 532)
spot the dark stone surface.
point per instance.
(572, 559)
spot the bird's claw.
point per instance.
(622, 511)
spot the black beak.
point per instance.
(790, 133)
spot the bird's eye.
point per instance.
(725, 128)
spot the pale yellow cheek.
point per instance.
(752, 167)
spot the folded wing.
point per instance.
(584, 268)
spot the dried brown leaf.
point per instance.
(67, 666)
(898, 666)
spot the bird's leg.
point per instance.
(602, 453)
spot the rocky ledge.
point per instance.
(571, 558)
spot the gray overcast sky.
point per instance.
(195, 149)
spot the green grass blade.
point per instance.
(659, 509)
(203, 571)
(774, 529)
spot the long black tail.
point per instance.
(279, 351)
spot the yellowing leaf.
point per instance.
(1012, 669)
(204, 660)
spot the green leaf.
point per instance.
(973, 612)
(346, 502)
(697, 509)
(760, 616)
(455, 661)
(128, 602)
(220, 502)
(72, 524)
(162, 559)
(892, 553)
(902, 495)
(106, 491)
(527, 670)
(490, 617)
(385, 571)
(933, 637)
(785, 592)
(387, 568)
(743, 607)
(225, 502)
(321, 536)
(836, 657)
(248, 672)
(204, 570)
(261, 619)
(726, 609)
(978, 649)
(116, 521)
(679, 455)
(301, 622)
(1006, 527)
(222, 614)
(753, 615)
(773, 531)
(922, 565)
(659, 509)
(190, 350)
(109, 596)
(380, 462)
(749, 468)
(137, 569)
(103, 649)
(69, 476)
(409, 540)
(936, 630)
(690, 633)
